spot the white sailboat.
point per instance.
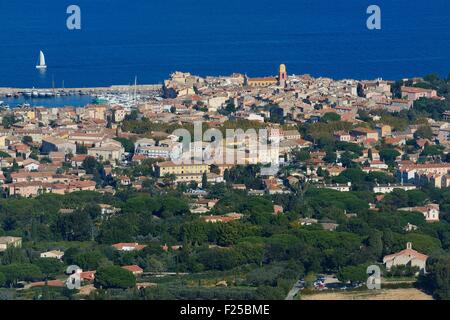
(41, 64)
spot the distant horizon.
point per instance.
(152, 39)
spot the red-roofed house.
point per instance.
(407, 257)
(430, 211)
(414, 93)
(87, 275)
(365, 135)
(136, 270)
(277, 209)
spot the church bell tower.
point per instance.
(282, 76)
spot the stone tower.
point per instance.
(282, 76)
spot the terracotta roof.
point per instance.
(87, 275)
(133, 268)
(415, 90)
(408, 252)
(50, 283)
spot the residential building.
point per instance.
(429, 211)
(414, 93)
(388, 188)
(6, 242)
(56, 254)
(406, 257)
(128, 246)
(170, 167)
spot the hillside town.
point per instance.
(43, 149)
(365, 159)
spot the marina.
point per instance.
(124, 95)
(115, 89)
(49, 102)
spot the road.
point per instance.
(295, 289)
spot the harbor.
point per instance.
(43, 92)
(60, 97)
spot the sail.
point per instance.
(41, 59)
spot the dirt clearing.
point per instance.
(383, 294)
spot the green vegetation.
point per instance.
(114, 277)
(127, 144)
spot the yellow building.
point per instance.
(384, 130)
(262, 82)
(169, 167)
(3, 141)
(270, 81)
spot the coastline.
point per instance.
(87, 90)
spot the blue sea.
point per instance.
(121, 39)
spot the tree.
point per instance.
(416, 197)
(49, 267)
(375, 244)
(3, 154)
(276, 115)
(81, 148)
(229, 108)
(431, 107)
(127, 144)
(330, 157)
(27, 140)
(195, 233)
(204, 181)
(403, 271)
(114, 277)
(301, 155)
(423, 132)
(45, 160)
(353, 274)
(141, 204)
(389, 155)
(75, 226)
(20, 272)
(432, 151)
(169, 179)
(228, 233)
(90, 260)
(437, 279)
(219, 259)
(117, 229)
(172, 206)
(90, 164)
(13, 255)
(347, 159)
(155, 265)
(133, 116)
(8, 121)
(2, 279)
(330, 117)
